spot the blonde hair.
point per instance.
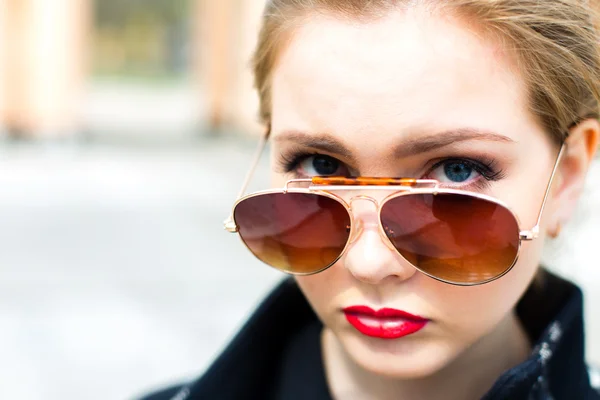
(555, 43)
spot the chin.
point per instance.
(406, 358)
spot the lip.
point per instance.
(386, 323)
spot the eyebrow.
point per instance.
(438, 140)
(407, 147)
(323, 142)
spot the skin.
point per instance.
(370, 86)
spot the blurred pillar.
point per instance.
(2, 64)
(246, 97)
(212, 43)
(44, 65)
(226, 33)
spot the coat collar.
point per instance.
(556, 368)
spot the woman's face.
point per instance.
(379, 90)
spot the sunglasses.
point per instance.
(454, 236)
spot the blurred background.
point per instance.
(125, 129)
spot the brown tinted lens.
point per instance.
(295, 232)
(457, 238)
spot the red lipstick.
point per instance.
(386, 323)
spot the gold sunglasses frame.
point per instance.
(324, 186)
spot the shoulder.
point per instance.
(594, 372)
(170, 393)
(264, 340)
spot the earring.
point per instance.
(554, 234)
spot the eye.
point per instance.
(456, 171)
(321, 165)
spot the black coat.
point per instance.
(276, 355)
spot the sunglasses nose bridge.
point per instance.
(359, 222)
(365, 198)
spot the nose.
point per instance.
(370, 257)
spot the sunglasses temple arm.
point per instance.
(229, 223)
(536, 229)
(261, 146)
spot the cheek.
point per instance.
(325, 291)
(469, 313)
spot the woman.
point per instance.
(481, 116)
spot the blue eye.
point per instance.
(457, 171)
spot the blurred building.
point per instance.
(43, 63)
(68, 65)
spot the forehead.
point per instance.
(411, 71)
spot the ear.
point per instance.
(579, 152)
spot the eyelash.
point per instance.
(487, 167)
(288, 163)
